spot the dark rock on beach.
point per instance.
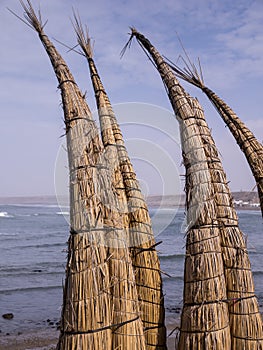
(176, 310)
(8, 316)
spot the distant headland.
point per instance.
(242, 200)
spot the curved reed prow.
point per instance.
(248, 143)
(145, 260)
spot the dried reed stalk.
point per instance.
(245, 319)
(205, 321)
(100, 307)
(246, 140)
(239, 280)
(137, 220)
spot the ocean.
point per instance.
(33, 240)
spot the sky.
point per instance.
(226, 36)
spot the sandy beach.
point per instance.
(47, 342)
(43, 340)
(46, 339)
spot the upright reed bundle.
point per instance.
(246, 140)
(245, 319)
(137, 220)
(205, 322)
(100, 307)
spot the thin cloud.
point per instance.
(227, 37)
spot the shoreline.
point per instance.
(43, 334)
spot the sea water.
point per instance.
(33, 241)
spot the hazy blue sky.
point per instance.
(226, 35)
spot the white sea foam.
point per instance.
(8, 234)
(62, 213)
(4, 214)
(35, 205)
